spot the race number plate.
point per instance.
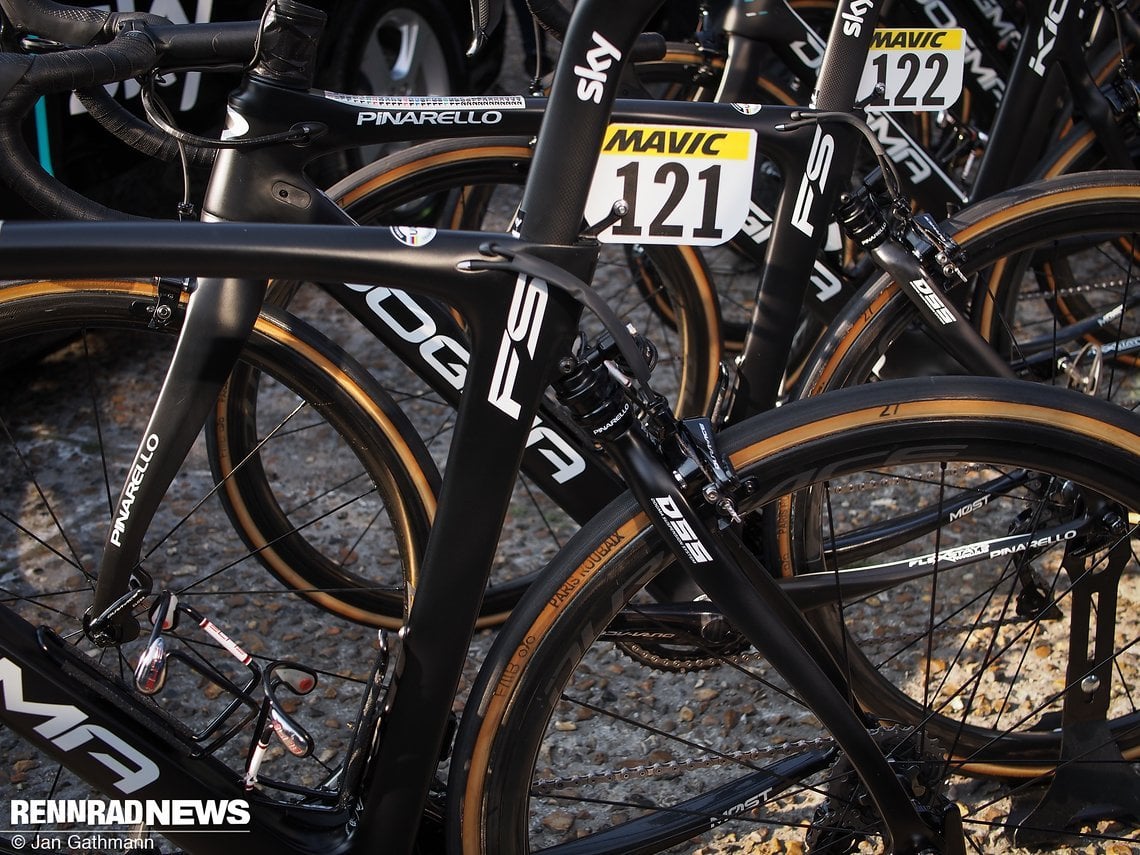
(920, 70)
(683, 185)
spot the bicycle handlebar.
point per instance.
(179, 46)
(138, 44)
(25, 79)
(485, 17)
(551, 16)
(68, 24)
(122, 46)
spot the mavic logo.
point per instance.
(818, 167)
(592, 76)
(622, 138)
(524, 320)
(909, 39)
(65, 728)
(681, 530)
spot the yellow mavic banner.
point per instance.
(916, 39)
(673, 141)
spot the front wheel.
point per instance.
(352, 492)
(967, 616)
(350, 508)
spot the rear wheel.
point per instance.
(1053, 271)
(568, 739)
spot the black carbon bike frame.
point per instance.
(1050, 59)
(795, 272)
(519, 297)
(270, 185)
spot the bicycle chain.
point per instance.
(1109, 285)
(654, 660)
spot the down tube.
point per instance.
(58, 700)
(515, 349)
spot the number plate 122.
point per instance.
(919, 70)
(683, 185)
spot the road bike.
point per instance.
(428, 338)
(1068, 56)
(288, 527)
(1025, 505)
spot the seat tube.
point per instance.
(600, 37)
(803, 216)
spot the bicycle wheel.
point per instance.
(1028, 252)
(567, 740)
(83, 371)
(1080, 151)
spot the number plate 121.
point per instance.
(683, 185)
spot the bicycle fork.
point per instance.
(220, 315)
(656, 466)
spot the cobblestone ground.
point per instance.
(269, 622)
